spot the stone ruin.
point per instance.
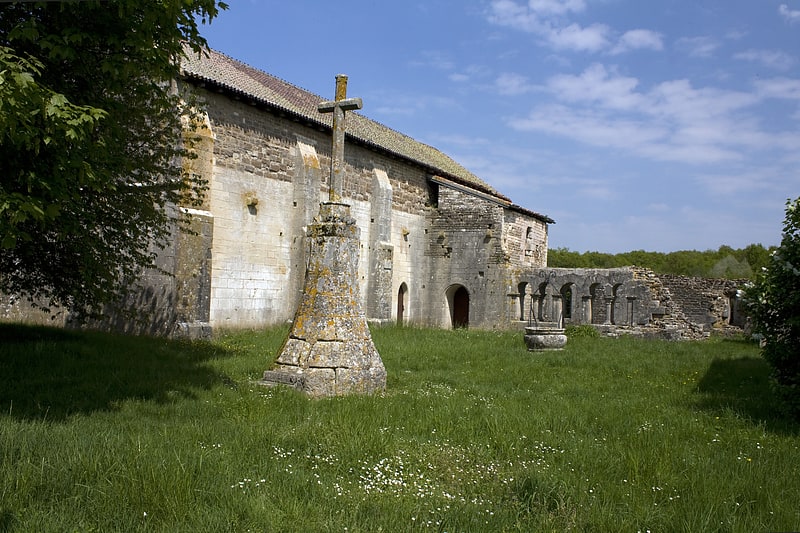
(633, 301)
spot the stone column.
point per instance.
(631, 309)
(608, 301)
(586, 309)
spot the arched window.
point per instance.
(402, 299)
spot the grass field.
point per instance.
(474, 433)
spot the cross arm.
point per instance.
(348, 104)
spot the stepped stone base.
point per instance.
(329, 350)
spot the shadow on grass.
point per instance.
(743, 386)
(51, 374)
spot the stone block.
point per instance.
(289, 378)
(295, 352)
(350, 354)
(320, 382)
(360, 381)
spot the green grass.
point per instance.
(107, 433)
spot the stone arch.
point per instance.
(458, 305)
(548, 303)
(567, 300)
(402, 301)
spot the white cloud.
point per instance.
(556, 7)
(590, 127)
(548, 20)
(783, 88)
(512, 84)
(638, 40)
(677, 100)
(671, 121)
(595, 85)
(434, 59)
(698, 46)
(469, 73)
(575, 37)
(791, 15)
(509, 13)
(769, 58)
(747, 182)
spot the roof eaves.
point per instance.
(439, 180)
(519, 209)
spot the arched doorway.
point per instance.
(458, 301)
(402, 294)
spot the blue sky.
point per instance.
(637, 125)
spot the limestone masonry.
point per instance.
(438, 246)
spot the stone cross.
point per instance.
(338, 106)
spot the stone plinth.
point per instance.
(329, 350)
(545, 336)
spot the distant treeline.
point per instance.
(723, 263)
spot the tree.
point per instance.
(757, 256)
(774, 305)
(90, 143)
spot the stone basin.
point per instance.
(545, 336)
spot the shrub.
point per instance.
(582, 331)
(774, 305)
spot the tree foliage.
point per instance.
(774, 305)
(725, 262)
(90, 143)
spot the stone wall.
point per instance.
(16, 309)
(421, 240)
(707, 301)
(467, 249)
(282, 166)
(631, 300)
(432, 252)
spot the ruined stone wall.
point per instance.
(465, 248)
(632, 300)
(707, 301)
(525, 239)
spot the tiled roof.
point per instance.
(229, 74)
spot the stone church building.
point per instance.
(439, 246)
